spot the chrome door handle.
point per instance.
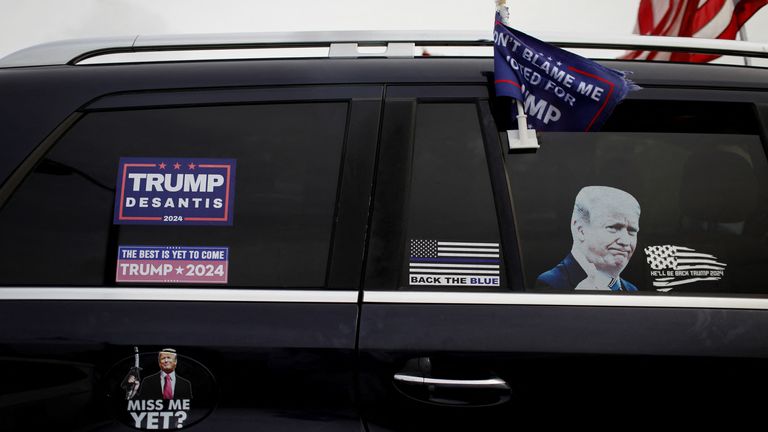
(490, 383)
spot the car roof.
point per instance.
(345, 44)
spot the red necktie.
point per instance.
(168, 389)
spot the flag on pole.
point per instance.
(560, 91)
(710, 19)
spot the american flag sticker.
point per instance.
(672, 266)
(434, 262)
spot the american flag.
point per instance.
(454, 259)
(688, 266)
(711, 19)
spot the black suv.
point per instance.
(347, 243)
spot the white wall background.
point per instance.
(28, 22)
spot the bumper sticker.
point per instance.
(160, 390)
(177, 191)
(172, 264)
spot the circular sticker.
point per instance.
(160, 390)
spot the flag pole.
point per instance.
(522, 123)
(522, 138)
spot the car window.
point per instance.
(665, 211)
(58, 227)
(452, 238)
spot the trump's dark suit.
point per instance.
(151, 389)
(568, 274)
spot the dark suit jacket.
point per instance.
(568, 273)
(151, 389)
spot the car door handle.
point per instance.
(490, 383)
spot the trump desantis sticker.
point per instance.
(178, 191)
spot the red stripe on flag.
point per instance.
(669, 24)
(705, 13)
(508, 82)
(607, 96)
(645, 17)
(743, 12)
(745, 9)
(687, 19)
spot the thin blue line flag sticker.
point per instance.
(561, 91)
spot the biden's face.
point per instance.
(610, 238)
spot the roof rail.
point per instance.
(73, 51)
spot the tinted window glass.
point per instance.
(57, 228)
(698, 200)
(453, 233)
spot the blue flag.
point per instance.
(561, 91)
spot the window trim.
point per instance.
(650, 300)
(178, 294)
